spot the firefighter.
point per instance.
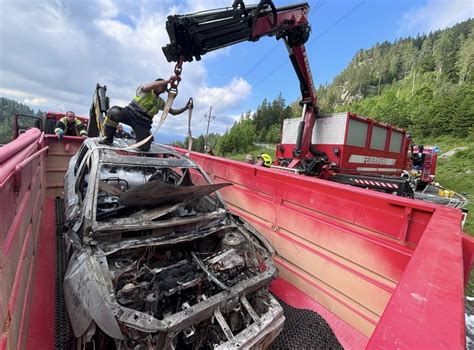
(69, 125)
(250, 159)
(122, 134)
(208, 150)
(140, 112)
(264, 159)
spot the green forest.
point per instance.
(8, 108)
(424, 84)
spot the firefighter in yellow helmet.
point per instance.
(264, 159)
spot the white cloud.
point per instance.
(35, 102)
(436, 14)
(69, 46)
(13, 93)
(227, 95)
(222, 99)
(107, 8)
(117, 30)
(203, 5)
(24, 97)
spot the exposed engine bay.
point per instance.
(162, 281)
(196, 291)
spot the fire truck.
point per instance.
(366, 153)
(356, 150)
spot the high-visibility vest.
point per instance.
(149, 102)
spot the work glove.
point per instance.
(60, 134)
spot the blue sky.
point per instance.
(54, 62)
(339, 29)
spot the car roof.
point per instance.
(120, 145)
(119, 153)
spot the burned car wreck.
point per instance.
(157, 261)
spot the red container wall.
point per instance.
(59, 154)
(22, 194)
(363, 255)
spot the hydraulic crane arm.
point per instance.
(194, 35)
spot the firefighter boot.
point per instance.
(109, 132)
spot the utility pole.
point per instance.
(209, 118)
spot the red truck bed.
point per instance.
(383, 271)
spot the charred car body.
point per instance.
(156, 260)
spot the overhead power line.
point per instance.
(339, 20)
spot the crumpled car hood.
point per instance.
(84, 293)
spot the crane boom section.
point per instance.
(194, 35)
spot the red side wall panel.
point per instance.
(22, 194)
(392, 269)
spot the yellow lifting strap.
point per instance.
(98, 114)
(190, 135)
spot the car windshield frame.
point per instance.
(110, 159)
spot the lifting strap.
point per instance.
(190, 135)
(98, 114)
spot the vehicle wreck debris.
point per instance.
(157, 261)
(157, 192)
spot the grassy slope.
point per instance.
(457, 171)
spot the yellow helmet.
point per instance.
(267, 160)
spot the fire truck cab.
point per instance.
(422, 165)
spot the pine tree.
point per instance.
(426, 61)
(445, 56)
(465, 63)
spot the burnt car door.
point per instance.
(79, 187)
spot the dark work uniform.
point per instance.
(138, 114)
(122, 135)
(76, 128)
